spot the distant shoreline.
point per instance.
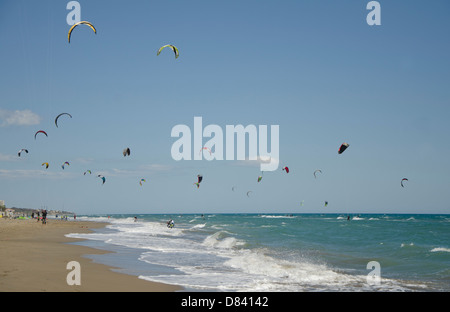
(28, 212)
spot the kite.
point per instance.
(126, 152)
(103, 178)
(40, 131)
(175, 50)
(261, 176)
(46, 165)
(90, 172)
(343, 148)
(404, 179)
(56, 119)
(318, 170)
(326, 203)
(142, 180)
(79, 23)
(205, 148)
(287, 169)
(249, 193)
(199, 180)
(22, 150)
(66, 163)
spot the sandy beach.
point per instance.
(34, 258)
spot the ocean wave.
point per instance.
(273, 274)
(440, 249)
(220, 240)
(277, 216)
(198, 226)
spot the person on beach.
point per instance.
(44, 216)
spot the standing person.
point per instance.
(44, 216)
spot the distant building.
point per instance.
(2, 204)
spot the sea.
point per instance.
(275, 252)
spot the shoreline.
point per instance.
(35, 257)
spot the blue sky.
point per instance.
(315, 68)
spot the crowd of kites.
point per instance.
(127, 152)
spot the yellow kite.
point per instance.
(79, 23)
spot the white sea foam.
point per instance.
(440, 249)
(198, 226)
(277, 216)
(218, 240)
